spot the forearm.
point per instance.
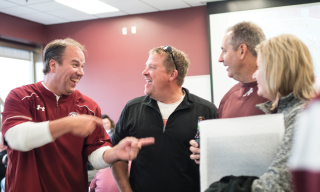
(59, 127)
(110, 156)
(121, 175)
(29, 135)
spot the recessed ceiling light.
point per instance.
(88, 6)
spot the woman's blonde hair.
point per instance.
(286, 66)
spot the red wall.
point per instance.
(22, 30)
(115, 62)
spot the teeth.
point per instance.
(75, 80)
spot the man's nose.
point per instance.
(145, 71)
(80, 72)
(220, 58)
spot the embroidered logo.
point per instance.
(38, 107)
(249, 92)
(73, 114)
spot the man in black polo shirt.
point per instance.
(169, 113)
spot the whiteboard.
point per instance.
(199, 85)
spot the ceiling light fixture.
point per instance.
(88, 6)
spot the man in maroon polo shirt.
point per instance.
(239, 56)
(52, 130)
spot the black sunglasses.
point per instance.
(168, 49)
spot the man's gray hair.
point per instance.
(246, 33)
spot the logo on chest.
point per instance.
(39, 107)
(73, 114)
(249, 92)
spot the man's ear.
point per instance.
(53, 65)
(243, 51)
(173, 75)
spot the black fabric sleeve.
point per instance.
(120, 131)
(232, 184)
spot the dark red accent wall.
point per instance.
(114, 64)
(22, 30)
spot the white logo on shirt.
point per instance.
(249, 92)
(40, 108)
(73, 114)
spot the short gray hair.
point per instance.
(246, 33)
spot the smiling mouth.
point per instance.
(148, 81)
(75, 80)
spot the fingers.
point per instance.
(135, 148)
(137, 144)
(84, 125)
(194, 143)
(133, 145)
(93, 119)
(194, 149)
(146, 141)
(195, 157)
(97, 120)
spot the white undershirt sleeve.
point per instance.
(29, 135)
(96, 158)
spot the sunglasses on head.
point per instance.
(168, 49)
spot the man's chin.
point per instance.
(70, 91)
(146, 92)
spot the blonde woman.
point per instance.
(285, 77)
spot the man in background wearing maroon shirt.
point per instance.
(239, 56)
(52, 130)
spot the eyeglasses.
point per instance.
(168, 49)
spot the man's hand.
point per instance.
(195, 151)
(129, 147)
(82, 125)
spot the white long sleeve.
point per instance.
(96, 158)
(29, 135)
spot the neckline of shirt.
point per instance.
(172, 104)
(57, 96)
(249, 84)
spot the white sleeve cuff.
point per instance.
(96, 158)
(29, 135)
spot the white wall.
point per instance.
(199, 85)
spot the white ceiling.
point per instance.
(50, 12)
